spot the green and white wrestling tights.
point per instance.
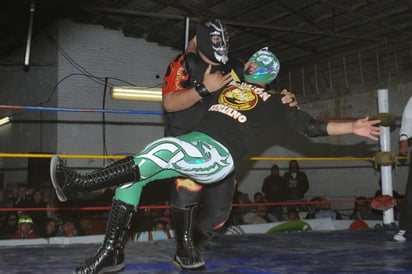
(194, 155)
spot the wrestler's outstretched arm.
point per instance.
(361, 127)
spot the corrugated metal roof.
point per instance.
(302, 33)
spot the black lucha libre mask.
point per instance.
(215, 50)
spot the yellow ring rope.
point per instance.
(94, 156)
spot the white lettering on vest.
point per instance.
(234, 114)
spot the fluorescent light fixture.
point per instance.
(137, 93)
(4, 120)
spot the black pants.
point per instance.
(405, 219)
(215, 202)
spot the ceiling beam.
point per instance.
(242, 24)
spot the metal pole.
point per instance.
(29, 34)
(187, 20)
(385, 144)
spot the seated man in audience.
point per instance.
(68, 228)
(326, 211)
(314, 207)
(260, 216)
(237, 213)
(363, 211)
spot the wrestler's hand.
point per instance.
(366, 128)
(289, 98)
(250, 68)
(215, 81)
(403, 147)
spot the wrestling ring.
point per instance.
(368, 250)
(363, 251)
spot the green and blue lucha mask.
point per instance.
(267, 67)
(213, 40)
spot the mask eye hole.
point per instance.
(261, 71)
(216, 39)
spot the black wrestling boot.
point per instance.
(67, 181)
(187, 256)
(110, 256)
(201, 239)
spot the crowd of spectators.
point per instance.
(31, 215)
(282, 198)
(30, 220)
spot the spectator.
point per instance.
(362, 210)
(9, 199)
(68, 228)
(326, 211)
(273, 186)
(50, 228)
(9, 226)
(275, 190)
(22, 200)
(160, 225)
(91, 224)
(315, 207)
(239, 197)
(25, 229)
(262, 215)
(257, 197)
(296, 181)
(293, 215)
(39, 217)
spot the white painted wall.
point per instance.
(107, 53)
(30, 131)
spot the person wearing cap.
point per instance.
(25, 229)
(235, 123)
(405, 218)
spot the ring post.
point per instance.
(385, 145)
